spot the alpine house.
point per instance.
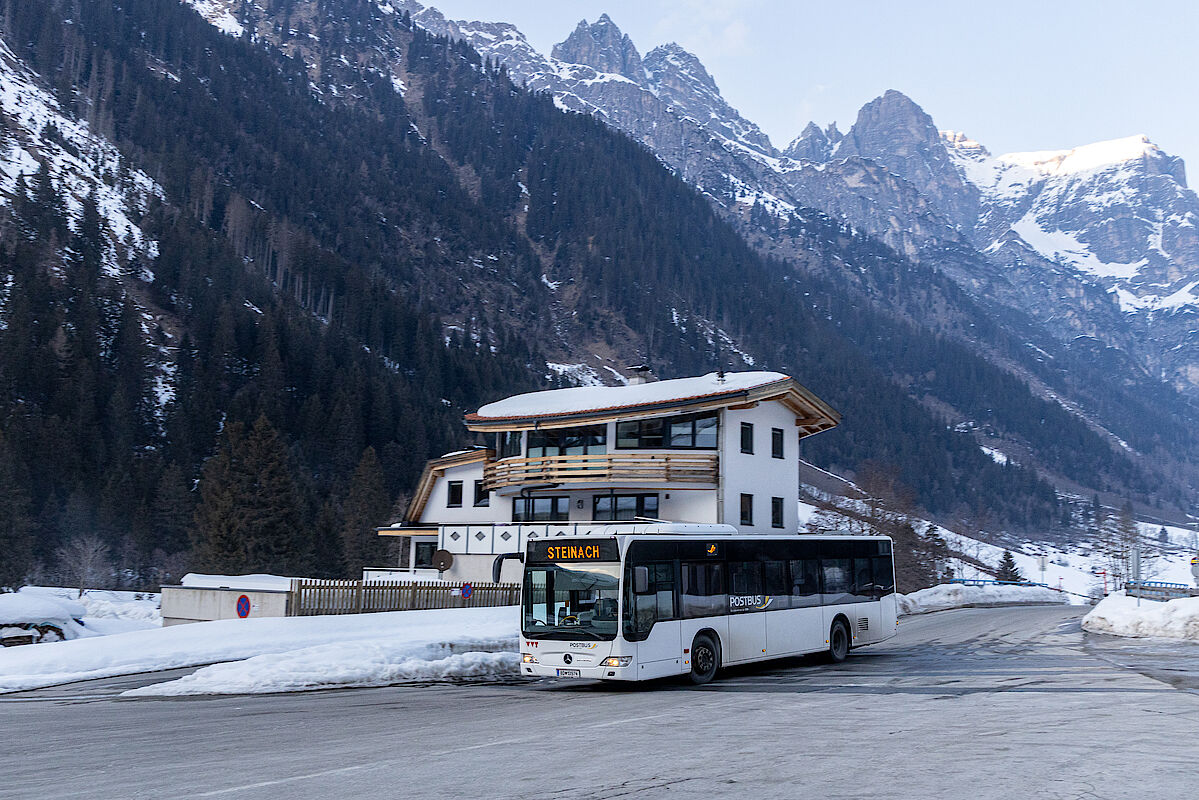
(720, 448)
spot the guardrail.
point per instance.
(313, 597)
(989, 582)
(1160, 591)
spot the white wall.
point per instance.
(760, 474)
(436, 511)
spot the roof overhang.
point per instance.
(434, 469)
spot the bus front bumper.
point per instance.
(579, 672)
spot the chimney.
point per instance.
(641, 374)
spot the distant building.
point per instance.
(711, 449)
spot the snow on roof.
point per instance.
(246, 583)
(583, 399)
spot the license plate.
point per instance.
(568, 673)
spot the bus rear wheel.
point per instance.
(705, 659)
(838, 642)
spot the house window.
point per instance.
(616, 507)
(776, 512)
(683, 432)
(509, 444)
(482, 496)
(540, 509)
(422, 555)
(585, 440)
(747, 509)
(454, 494)
(747, 437)
(776, 442)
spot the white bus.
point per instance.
(673, 599)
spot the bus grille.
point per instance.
(863, 624)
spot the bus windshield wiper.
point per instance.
(572, 631)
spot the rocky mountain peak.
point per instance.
(601, 46)
(892, 130)
(671, 58)
(892, 122)
(812, 144)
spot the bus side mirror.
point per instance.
(640, 580)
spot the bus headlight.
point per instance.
(528, 658)
(616, 661)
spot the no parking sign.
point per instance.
(243, 606)
(466, 591)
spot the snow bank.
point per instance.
(22, 614)
(341, 665)
(956, 595)
(254, 582)
(104, 604)
(236, 639)
(1119, 614)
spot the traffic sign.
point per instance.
(466, 590)
(243, 606)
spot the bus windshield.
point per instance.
(571, 601)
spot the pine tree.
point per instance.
(249, 515)
(366, 508)
(219, 542)
(16, 525)
(171, 511)
(1008, 571)
(269, 505)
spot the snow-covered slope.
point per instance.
(36, 132)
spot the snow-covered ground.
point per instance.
(107, 611)
(956, 595)
(1120, 614)
(284, 653)
(96, 613)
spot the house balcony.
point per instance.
(695, 469)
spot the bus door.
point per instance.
(799, 629)
(651, 621)
(747, 611)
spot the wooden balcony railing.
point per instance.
(611, 468)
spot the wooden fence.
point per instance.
(311, 597)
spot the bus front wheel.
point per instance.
(838, 642)
(705, 659)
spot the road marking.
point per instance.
(292, 779)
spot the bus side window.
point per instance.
(884, 576)
(805, 583)
(837, 580)
(863, 586)
(703, 593)
(776, 585)
(657, 604)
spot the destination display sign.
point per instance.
(593, 550)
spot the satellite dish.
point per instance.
(443, 560)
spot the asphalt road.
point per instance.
(973, 703)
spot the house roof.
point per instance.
(561, 407)
(434, 469)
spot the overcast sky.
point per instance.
(1014, 74)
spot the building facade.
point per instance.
(719, 448)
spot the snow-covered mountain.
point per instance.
(35, 134)
(948, 209)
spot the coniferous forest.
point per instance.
(339, 278)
